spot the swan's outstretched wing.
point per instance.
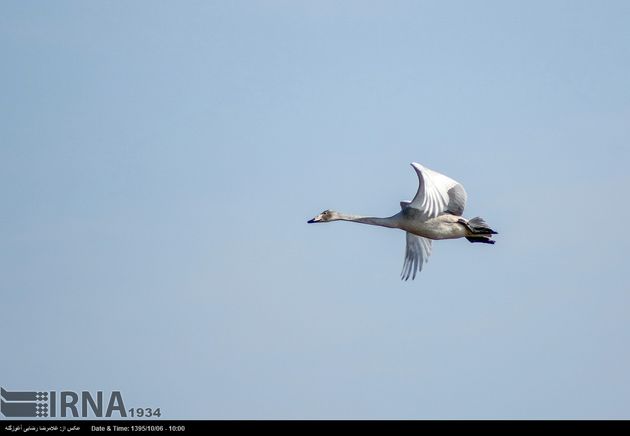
(416, 254)
(437, 193)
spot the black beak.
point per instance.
(311, 221)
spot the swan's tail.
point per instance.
(481, 231)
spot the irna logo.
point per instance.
(63, 404)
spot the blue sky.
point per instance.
(159, 160)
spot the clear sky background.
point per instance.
(159, 161)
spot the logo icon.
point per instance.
(24, 404)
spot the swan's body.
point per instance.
(434, 213)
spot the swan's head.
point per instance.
(327, 215)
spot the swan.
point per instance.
(434, 213)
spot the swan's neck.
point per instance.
(391, 221)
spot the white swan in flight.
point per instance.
(434, 213)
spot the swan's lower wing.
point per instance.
(416, 254)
